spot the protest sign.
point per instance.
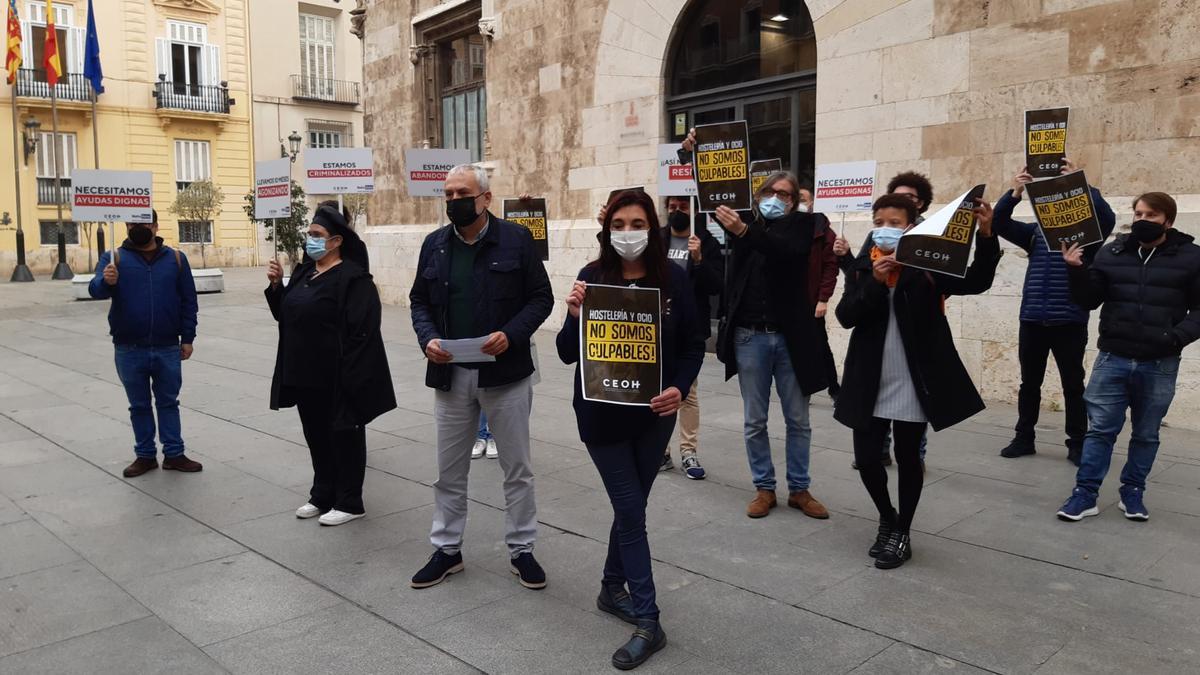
(722, 166)
(1064, 211)
(674, 179)
(759, 170)
(1045, 141)
(103, 196)
(273, 189)
(619, 345)
(942, 243)
(531, 214)
(844, 188)
(339, 171)
(426, 169)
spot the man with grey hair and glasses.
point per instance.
(479, 277)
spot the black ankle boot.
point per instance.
(647, 639)
(614, 600)
(896, 551)
(886, 526)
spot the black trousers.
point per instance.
(339, 456)
(1067, 343)
(825, 357)
(868, 453)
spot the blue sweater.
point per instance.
(1046, 297)
(153, 303)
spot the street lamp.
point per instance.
(31, 136)
(294, 140)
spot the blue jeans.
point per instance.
(143, 370)
(484, 434)
(1145, 388)
(762, 357)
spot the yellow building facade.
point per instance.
(176, 103)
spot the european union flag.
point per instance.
(91, 54)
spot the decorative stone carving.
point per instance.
(358, 19)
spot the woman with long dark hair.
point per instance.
(626, 443)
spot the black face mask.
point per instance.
(462, 211)
(140, 235)
(1145, 231)
(678, 221)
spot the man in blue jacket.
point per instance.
(152, 321)
(1050, 322)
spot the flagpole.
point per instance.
(21, 271)
(96, 156)
(62, 270)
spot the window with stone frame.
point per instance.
(329, 134)
(195, 232)
(452, 62)
(48, 231)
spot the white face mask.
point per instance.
(630, 244)
(802, 207)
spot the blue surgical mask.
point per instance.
(315, 247)
(772, 207)
(886, 238)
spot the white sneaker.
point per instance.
(492, 452)
(336, 517)
(308, 511)
(477, 451)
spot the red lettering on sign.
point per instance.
(132, 201)
(429, 175)
(339, 173)
(681, 172)
(844, 191)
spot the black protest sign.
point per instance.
(1064, 210)
(723, 166)
(530, 213)
(619, 345)
(942, 243)
(1045, 141)
(759, 170)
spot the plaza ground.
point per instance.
(211, 572)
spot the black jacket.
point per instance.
(512, 294)
(682, 355)
(785, 246)
(362, 389)
(1151, 310)
(707, 276)
(943, 385)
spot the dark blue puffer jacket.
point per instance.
(1046, 298)
(154, 303)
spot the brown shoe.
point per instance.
(763, 502)
(181, 463)
(802, 500)
(140, 466)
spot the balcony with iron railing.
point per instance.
(31, 83)
(46, 194)
(192, 97)
(324, 90)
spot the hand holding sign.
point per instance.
(730, 220)
(110, 274)
(1073, 255)
(841, 247)
(983, 216)
(666, 403)
(1020, 181)
(694, 248)
(274, 272)
(575, 298)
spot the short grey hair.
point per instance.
(480, 173)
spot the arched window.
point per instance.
(747, 59)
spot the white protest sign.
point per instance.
(272, 189)
(103, 196)
(426, 169)
(339, 171)
(844, 188)
(674, 179)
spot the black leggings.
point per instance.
(868, 453)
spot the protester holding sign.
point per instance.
(330, 363)
(1050, 322)
(626, 442)
(902, 370)
(1149, 284)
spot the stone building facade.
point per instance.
(578, 93)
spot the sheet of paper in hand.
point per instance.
(620, 344)
(943, 242)
(1064, 210)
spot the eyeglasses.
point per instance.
(785, 195)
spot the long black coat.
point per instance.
(785, 246)
(362, 389)
(947, 394)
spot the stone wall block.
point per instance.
(922, 112)
(956, 16)
(1013, 55)
(850, 81)
(927, 68)
(856, 121)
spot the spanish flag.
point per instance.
(12, 56)
(51, 60)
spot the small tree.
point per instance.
(358, 207)
(286, 233)
(198, 203)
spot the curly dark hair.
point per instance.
(917, 181)
(901, 202)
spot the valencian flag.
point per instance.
(12, 52)
(91, 54)
(51, 60)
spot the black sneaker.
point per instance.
(440, 566)
(1075, 451)
(1019, 447)
(666, 464)
(528, 571)
(896, 551)
(647, 639)
(616, 601)
(886, 526)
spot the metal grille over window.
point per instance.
(48, 230)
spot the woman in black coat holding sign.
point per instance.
(902, 370)
(626, 442)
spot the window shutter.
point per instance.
(27, 45)
(76, 37)
(70, 154)
(162, 47)
(45, 155)
(211, 55)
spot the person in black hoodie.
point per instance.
(1148, 282)
(330, 362)
(626, 442)
(902, 369)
